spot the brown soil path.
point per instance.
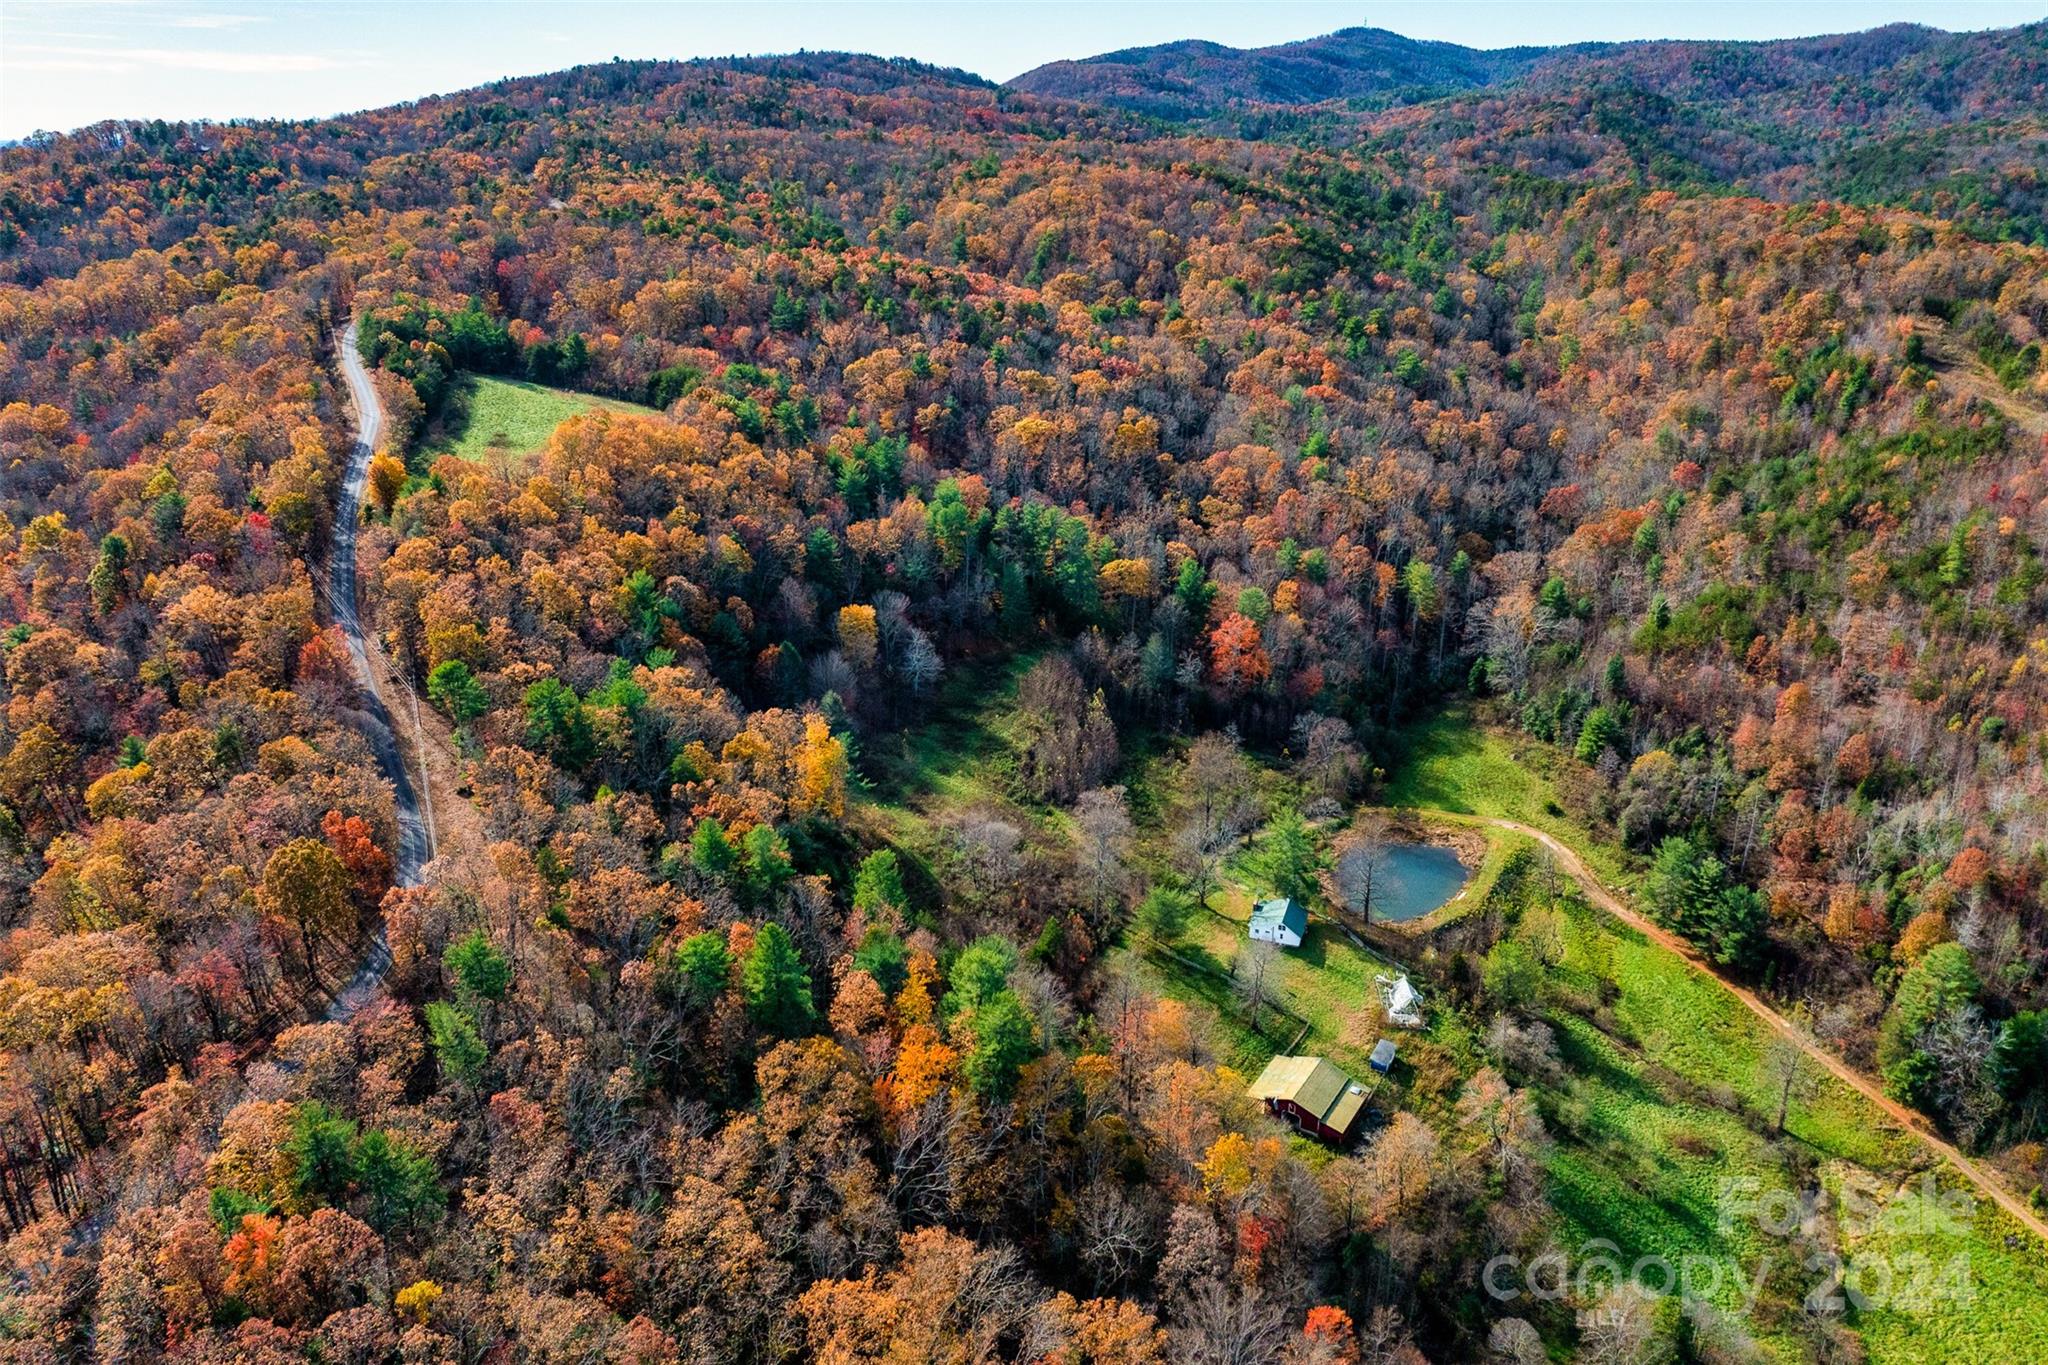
(1987, 1183)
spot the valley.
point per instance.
(1354, 702)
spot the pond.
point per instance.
(1414, 879)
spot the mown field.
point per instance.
(504, 418)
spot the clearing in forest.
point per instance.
(506, 418)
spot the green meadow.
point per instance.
(506, 418)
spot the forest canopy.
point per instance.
(1030, 517)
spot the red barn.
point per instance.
(1313, 1094)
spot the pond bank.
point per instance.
(1470, 844)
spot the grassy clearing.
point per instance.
(1667, 1093)
(1937, 1284)
(1456, 765)
(914, 783)
(1638, 1165)
(964, 753)
(1661, 1115)
(507, 418)
(1703, 1035)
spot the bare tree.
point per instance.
(1194, 1253)
(1384, 1339)
(1328, 761)
(1507, 1120)
(991, 848)
(1117, 1234)
(1621, 1329)
(921, 665)
(1528, 1050)
(1786, 1068)
(1361, 851)
(1229, 1325)
(1517, 1342)
(1218, 807)
(1252, 975)
(1198, 854)
(1718, 1338)
(1044, 997)
(1959, 1043)
(1105, 829)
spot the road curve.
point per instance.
(1987, 1183)
(415, 840)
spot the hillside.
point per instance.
(1185, 79)
(1945, 123)
(877, 572)
(1907, 72)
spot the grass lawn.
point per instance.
(964, 752)
(913, 784)
(510, 417)
(1638, 1165)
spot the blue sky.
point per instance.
(66, 63)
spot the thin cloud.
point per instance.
(61, 57)
(215, 21)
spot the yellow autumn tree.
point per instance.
(387, 478)
(1126, 578)
(1227, 1169)
(859, 636)
(914, 1001)
(924, 1067)
(820, 771)
(1922, 932)
(417, 1299)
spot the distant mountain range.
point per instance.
(1190, 78)
(1940, 71)
(1948, 123)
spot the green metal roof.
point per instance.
(1280, 910)
(1317, 1085)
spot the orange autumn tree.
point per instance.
(350, 838)
(1237, 656)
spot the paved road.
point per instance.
(415, 836)
(1987, 1183)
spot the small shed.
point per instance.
(1382, 1059)
(1281, 920)
(1313, 1094)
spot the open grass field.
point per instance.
(913, 787)
(1671, 1096)
(1930, 1281)
(964, 752)
(1692, 1028)
(507, 418)
(1637, 1164)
